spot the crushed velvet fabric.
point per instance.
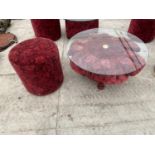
(143, 28)
(74, 27)
(47, 28)
(37, 63)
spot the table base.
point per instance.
(103, 80)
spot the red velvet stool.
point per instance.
(143, 28)
(37, 63)
(47, 28)
(76, 26)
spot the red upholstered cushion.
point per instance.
(143, 28)
(73, 27)
(47, 28)
(37, 63)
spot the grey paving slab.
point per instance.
(86, 106)
(21, 111)
(115, 24)
(118, 128)
(43, 131)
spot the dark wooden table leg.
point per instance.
(100, 86)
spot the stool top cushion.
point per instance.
(33, 51)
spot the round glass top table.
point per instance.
(108, 56)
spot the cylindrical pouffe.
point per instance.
(75, 26)
(143, 28)
(47, 28)
(37, 63)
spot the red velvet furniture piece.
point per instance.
(37, 63)
(143, 28)
(74, 26)
(47, 28)
(107, 56)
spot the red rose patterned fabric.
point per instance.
(73, 26)
(37, 63)
(143, 28)
(47, 28)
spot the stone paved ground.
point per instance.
(77, 107)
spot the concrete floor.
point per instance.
(78, 107)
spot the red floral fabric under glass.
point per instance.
(37, 63)
(75, 26)
(47, 28)
(143, 28)
(108, 57)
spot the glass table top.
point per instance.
(107, 51)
